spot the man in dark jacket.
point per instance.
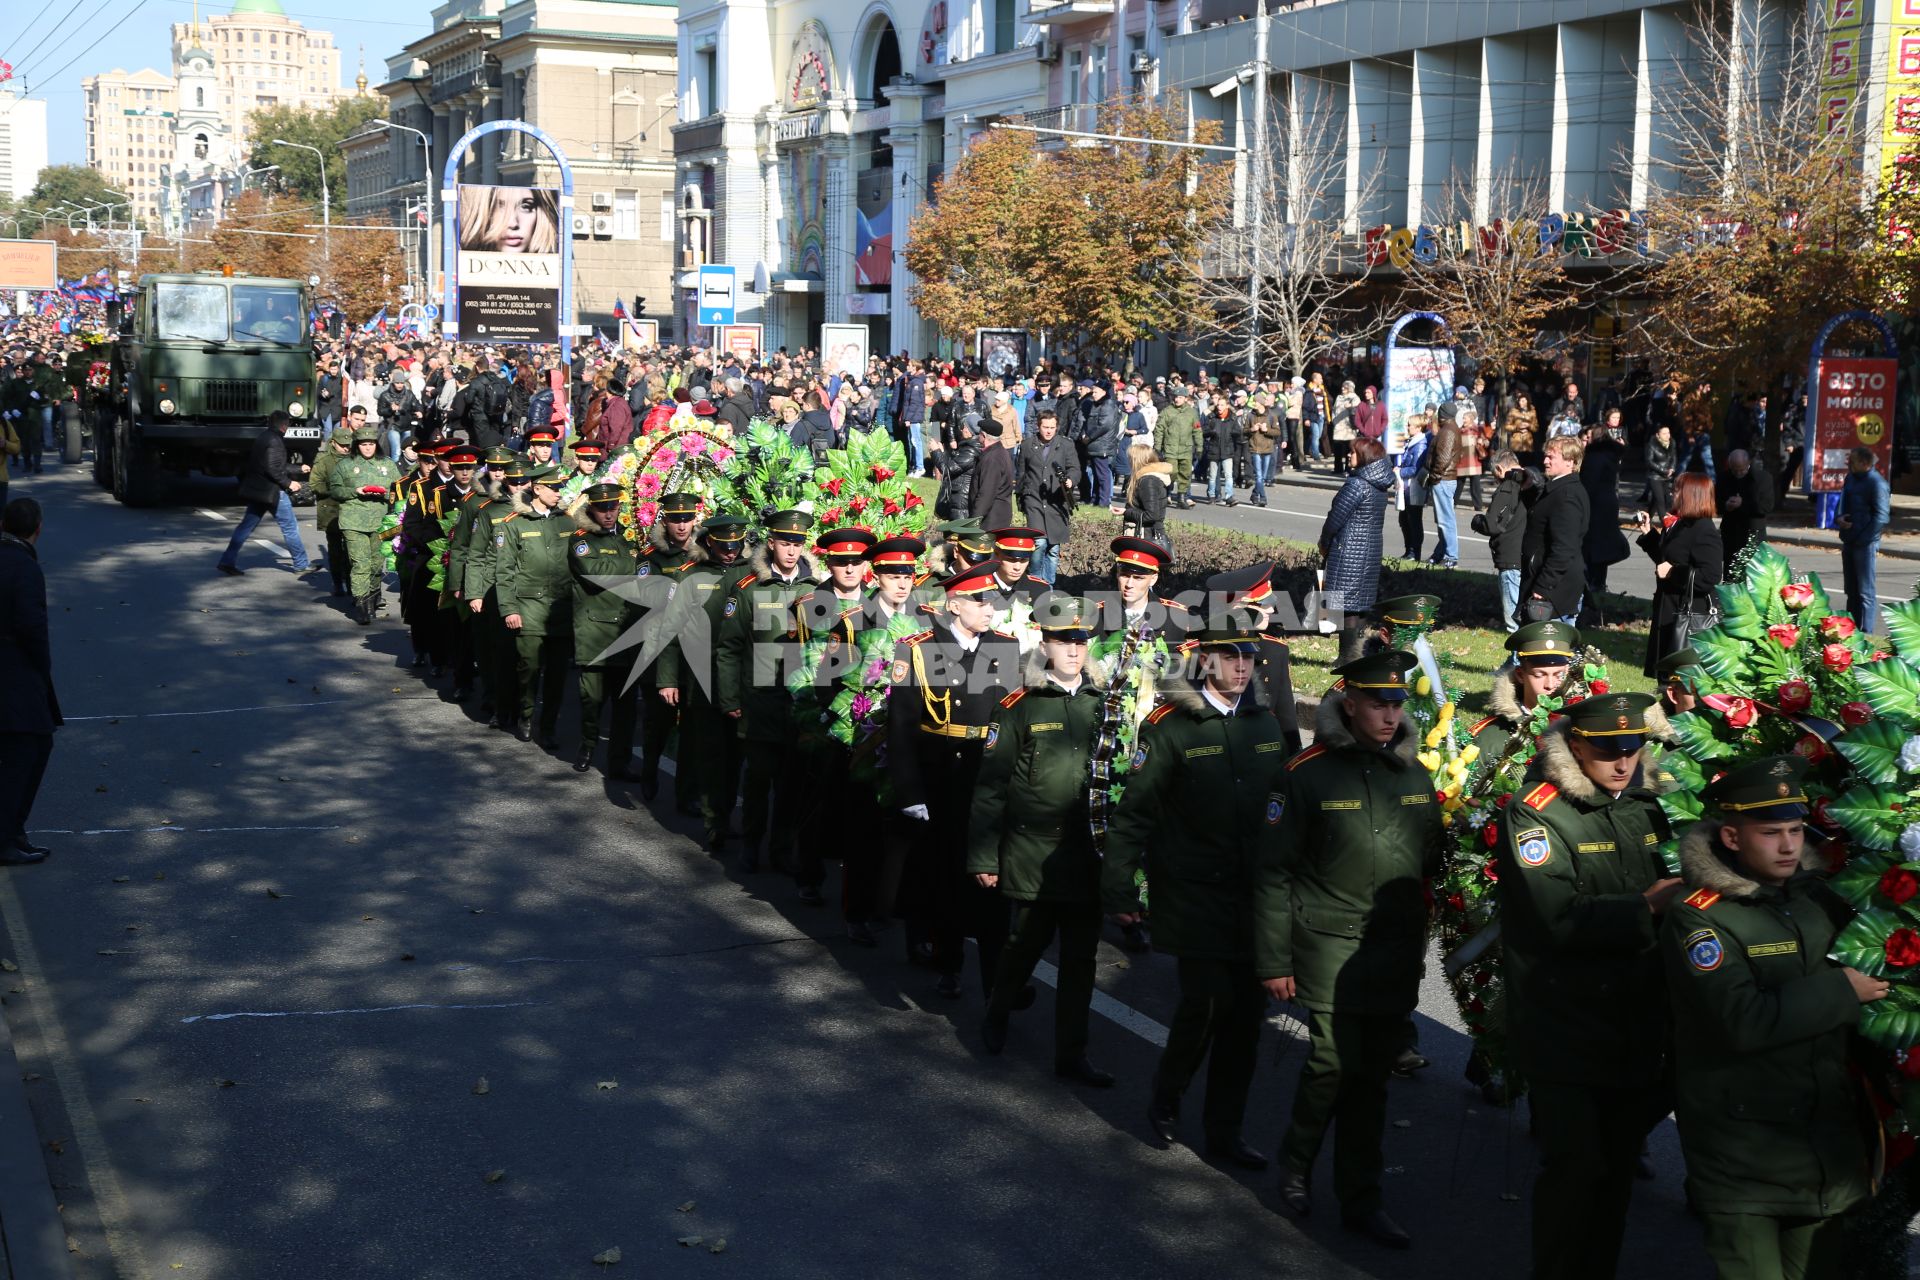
(1745, 498)
(1443, 464)
(737, 409)
(398, 408)
(1504, 523)
(267, 485)
(992, 499)
(1099, 431)
(1552, 572)
(1047, 469)
(29, 708)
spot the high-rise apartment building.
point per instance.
(23, 143)
(130, 140)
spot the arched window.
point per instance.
(199, 97)
(879, 51)
(199, 146)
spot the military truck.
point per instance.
(199, 361)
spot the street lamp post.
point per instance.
(426, 183)
(326, 197)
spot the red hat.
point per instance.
(852, 543)
(897, 553)
(542, 435)
(589, 449)
(460, 455)
(971, 582)
(704, 409)
(1139, 553)
(1022, 541)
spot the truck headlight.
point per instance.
(296, 410)
(167, 407)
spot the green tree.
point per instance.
(323, 128)
(72, 183)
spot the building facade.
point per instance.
(597, 76)
(262, 58)
(23, 143)
(130, 138)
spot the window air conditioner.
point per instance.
(603, 225)
(603, 199)
(582, 224)
(1049, 49)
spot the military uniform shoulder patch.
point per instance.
(1475, 730)
(1701, 899)
(1313, 752)
(1541, 796)
(580, 548)
(1704, 951)
(1532, 847)
(1276, 807)
(1160, 713)
(646, 567)
(918, 637)
(1013, 697)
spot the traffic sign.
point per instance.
(431, 311)
(716, 295)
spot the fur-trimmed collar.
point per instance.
(1704, 865)
(657, 539)
(522, 501)
(806, 570)
(1033, 672)
(1503, 700)
(1187, 696)
(1556, 764)
(1162, 469)
(1330, 730)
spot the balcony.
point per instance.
(1045, 11)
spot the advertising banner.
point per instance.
(843, 349)
(741, 341)
(1855, 408)
(29, 264)
(1418, 378)
(1003, 352)
(639, 335)
(508, 270)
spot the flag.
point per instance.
(313, 320)
(379, 321)
(619, 309)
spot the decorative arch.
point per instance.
(879, 32)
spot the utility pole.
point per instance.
(1257, 163)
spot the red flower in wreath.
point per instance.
(1784, 635)
(1837, 626)
(1740, 712)
(1797, 595)
(1903, 948)
(834, 485)
(1481, 977)
(1457, 902)
(857, 505)
(1910, 1063)
(1856, 714)
(1476, 1005)
(1600, 688)
(1898, 885)
(1501, 803)
(1491, 834)
(1811, 747)
(831, 516)
(1573, 698)
(1795, 696)
(1833, 855)
(890, 508)
(1491, 872)
(913, 500)
(1837, 657)
(881, 473)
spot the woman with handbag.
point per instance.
(1149, 482)
(1685, 550)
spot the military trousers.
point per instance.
(767, 803)
(541, 664)
(597, 685)
(712, 750)
(1217, 1022)
(1343, 1083)
(499, 660)
(657, 723)
(1034, 926)
(1752, 1246)
(463, 628)
(338, 566)
(429, 626)
(1589, 1138)
(365, 561)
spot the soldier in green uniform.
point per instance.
(1772, 1118)
(363, 483)
(1679, 674)
(326, 507)
(601, 616)
(963, 544)
(711, 745)
(1543, 656)
(1196, 801)
(535, 590)
(672, 553)
(1029, 834)
(1582, 888)
(1340, 925)
(495, 645)
(753, 655)
(1251, 589)
(473, 651)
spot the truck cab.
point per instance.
(199, 361)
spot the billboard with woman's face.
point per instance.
(509, 264)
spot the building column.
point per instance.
(906, 106)
(839, 206)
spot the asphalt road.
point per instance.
(299, 905)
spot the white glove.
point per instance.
(918, 812)
(34, 394)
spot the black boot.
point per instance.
(363, 610)
(584, 761)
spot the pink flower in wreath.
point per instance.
(646, 513)
(695, 443)
(721, 455)
(666, 456)
(647, 486)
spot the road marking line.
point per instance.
(335, 1013)
(116, 1217)
(1109, 1008)
(215, 516)
(147, 831)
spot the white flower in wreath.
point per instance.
(1910, 843)
(1477, 818)
(1910, 754)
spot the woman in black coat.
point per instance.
(1663, 464)
(1685, 550)
(1605, 545)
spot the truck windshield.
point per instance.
(266, 313)
(192, 311)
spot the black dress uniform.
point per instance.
(943, 696)
(459, 498)
(826, 626)
(1251, 589)
(1586, 999)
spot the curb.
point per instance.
(1816, 544)
(31, 1231)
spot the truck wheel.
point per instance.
(71, 444)
(103, 455)
(134, 481)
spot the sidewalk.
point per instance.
(33, 1239)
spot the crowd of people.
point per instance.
(1044, 762)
